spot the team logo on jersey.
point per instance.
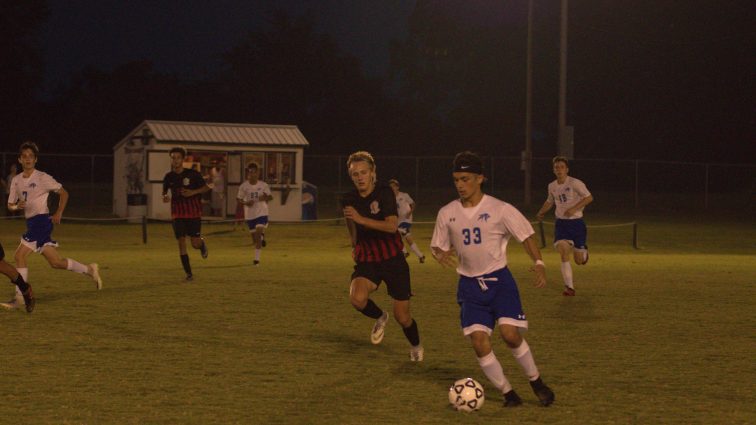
(452, 220)
(186, 181)
(484, 217)
(566, 189)
(32, 185)
(374, 208)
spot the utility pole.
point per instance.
(527, 154)
(564, 146)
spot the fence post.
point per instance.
(635, 235)
(543, 237)
(338, 159)
(417, 176)
(637, 202)
(144, 229)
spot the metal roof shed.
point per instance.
(220, 151)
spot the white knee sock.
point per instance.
(257, 254)
(525, 358)
(493, 371)
(567, 274)
(416, 250)
(76, 266)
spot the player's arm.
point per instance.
(62, 201)
(581, 204)
(389, 224)
(166, 198)
(439, 241)
(352, 232)
(544, 209)
(531, 248)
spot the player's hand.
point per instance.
(166, 198)
(539, 217)
(445, 258)
(352, 214)
(186, 192)
(20, 204)
(570, 212)
(56, 218)
(540, 275)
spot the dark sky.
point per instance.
(188, 36)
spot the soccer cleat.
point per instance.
(417, 353)
(422, 259)
(29, 300)
(96, 275)
(544, 393)
(376, 336)
(263, 243)
(511, 399)
(12, 304)
(203, 248)
(568, 292)
(189, 277)
(406, 254)
(256, 263)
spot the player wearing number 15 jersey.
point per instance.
(479, 227)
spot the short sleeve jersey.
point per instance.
(35, 190)
(374, 245)
(182, 206)
(566, 195)
(479, 234)
(403, 207)
(253, 192)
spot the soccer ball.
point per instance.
(466, 395)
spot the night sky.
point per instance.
(667, 70)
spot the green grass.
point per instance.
(664, 334)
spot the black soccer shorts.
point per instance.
(394, 271)
(187, 227)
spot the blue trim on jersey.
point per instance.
(39, 230)
(259, 221)
(479, 306)
(571, 230)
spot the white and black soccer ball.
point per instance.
(466, 395)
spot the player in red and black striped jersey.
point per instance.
(186, 187)
(371, 216)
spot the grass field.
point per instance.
(665, 334)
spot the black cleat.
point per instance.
(263, 243)
(29, 300)
(511, 399)
(422, 259)
(256, 262)
(544, 393)
(189, 277)
(203, 248)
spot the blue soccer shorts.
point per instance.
(261, 221)
(38, 233)
(487, 300)
(573, 231)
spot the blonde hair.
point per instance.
(362, 156)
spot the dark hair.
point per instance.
(252, 166)
(178, 149)
(560, 159)
(468, 162)
(29, 145)
(394, 181)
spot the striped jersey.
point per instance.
(479, 234)
(183, 206)
(34, 190)
(373, 245)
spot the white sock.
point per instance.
(567, 274)
(416, 250)
(493, 371)
(525, 358)
(76, 266)
(24, 272)
(257, 254)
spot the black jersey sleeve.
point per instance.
(166, 183)
(196, 180)
(387, 201)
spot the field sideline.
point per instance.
(664, 334)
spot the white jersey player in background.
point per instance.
(479, 227)
(570, 233)
(405, 207)
(29, 192)
(254, 194)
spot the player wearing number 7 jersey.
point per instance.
(479, 227)
(570, 196)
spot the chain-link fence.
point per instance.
(617, 185)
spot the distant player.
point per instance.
(254, 194)
(24, 288)
(405, 207)
(29, 192)
(479, 227)
(371, 217)
(570, 196)
(186, 187)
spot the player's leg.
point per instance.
(20, 256)
(194, 231)
(360, 288)
(57, 262)
(396, 273)
(18, 280)
(414, 247)
(580, 235)
(564, 248)
(257, 235)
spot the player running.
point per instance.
(371, 217)
(186, 187)
(254, 194)
(479, 227)
(18, 280)
(570, 196)
(405, 206)
(29, 192)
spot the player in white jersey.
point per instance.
(570, 197)
(29, 192)
(254, 194)
(479, 227)
(405, 206)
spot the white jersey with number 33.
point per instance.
(479, 234)
(34, 190)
